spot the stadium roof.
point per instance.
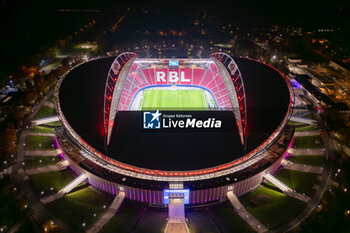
(81, 99)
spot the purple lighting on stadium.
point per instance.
(295, 84)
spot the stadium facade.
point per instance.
(222, 83)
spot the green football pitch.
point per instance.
(174, 100)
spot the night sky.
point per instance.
(26, 26)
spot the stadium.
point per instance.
(162, 128)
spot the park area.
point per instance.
(271, 207)
(308, 142)
(39, 143)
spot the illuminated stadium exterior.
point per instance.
(95, 150)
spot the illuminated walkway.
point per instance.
(307, 152)
(303, 120)
(43, 152)
(176, 222)
(244, 214)
(176, 209)
(62, 165)
(307, 133)
(279, 184)
(177, 227)
(6, 171)
(285, 189)
(45, 120)
(176, 212)
(297, 196)
(51, 198)
(42, 134)
(66, 189)
(301, 167)
(49, 104)
(118, 200)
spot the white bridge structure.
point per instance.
(66, 189)
(285, 189)
(45, 120)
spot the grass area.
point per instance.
(39, 143)
(199, 221)
(45, 112)
(40, 129)
(308, 142)
(51, 99)
(124, 220)
(56, 180)
(154, 221)
(309, 160)
(306, 128)
(294, 123)
(273, 209)
(229, 220)
(79, 207)
(55, 123)
(53, 64)
(174, 99)
(40, 161)
(302, 182)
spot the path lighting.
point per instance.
(347, 212)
